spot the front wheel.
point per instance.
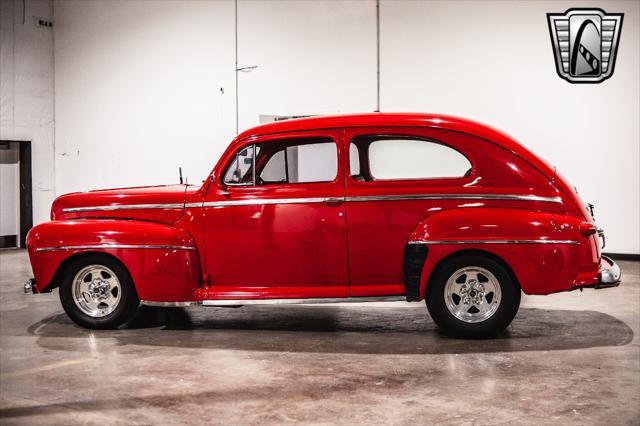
(472, 296)
(97, 292)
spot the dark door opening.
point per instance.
(16, 196)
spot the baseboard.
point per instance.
(8, 241)
(623, 256)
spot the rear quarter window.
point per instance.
(401, 158)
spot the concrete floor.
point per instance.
(569, 358)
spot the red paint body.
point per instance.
(197, 247)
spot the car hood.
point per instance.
(155, 203)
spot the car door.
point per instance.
(275, 219)
(392, 174)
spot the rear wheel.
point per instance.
(97, 292)
(472, 296)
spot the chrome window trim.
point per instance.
(115, 246)
(125, 207)
(238, 184)
(361, 198)
(430, 242)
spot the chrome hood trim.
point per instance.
(124, 207)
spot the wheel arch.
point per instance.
(64, 266)
(467, 252)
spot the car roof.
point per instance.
(397, 119)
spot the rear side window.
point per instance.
(405, 158)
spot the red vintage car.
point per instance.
(347, 208)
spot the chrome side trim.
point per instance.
(513, 197)
(240, 302)
(115, 246)
(251, 202)
(124, 207)
(168, 304)
(429, 242)
(261, 201)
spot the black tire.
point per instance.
(508, 303)
(123, 310)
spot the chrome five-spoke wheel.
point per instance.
(96, 290)
(472, 294)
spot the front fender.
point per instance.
(544, 251)
(161, 259)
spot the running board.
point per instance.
(242, 302)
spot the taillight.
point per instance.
(587, 228)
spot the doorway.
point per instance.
(16, 207)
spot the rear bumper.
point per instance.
(608, 275)
(30, 286)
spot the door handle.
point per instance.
(333, 201)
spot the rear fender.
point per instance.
(162, 260)
(544, 251)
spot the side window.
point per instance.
(297, 161)
(240, 171)
(275, 171)
(404, 158)
(354, 160)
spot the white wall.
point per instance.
(138, 85)
(26, 92)
(138, 88)
(313, 57)
(493, 62)
(138, 91)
